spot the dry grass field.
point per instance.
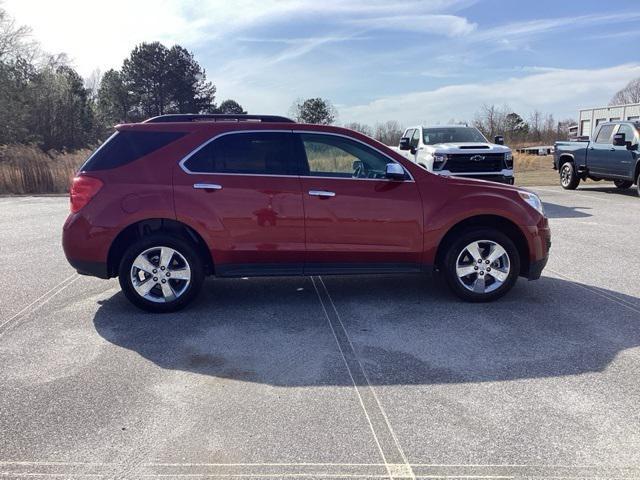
(532, 170)
(26, 169)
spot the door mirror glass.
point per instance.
(498, 140)
(395, 171)
(619, 140)
(405, 143)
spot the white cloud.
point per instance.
(449, 25)
(561, 92)
(96, 35)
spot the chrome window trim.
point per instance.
(232, 132)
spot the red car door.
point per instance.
(355, 218)
(242, 191)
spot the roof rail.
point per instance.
(217, 117)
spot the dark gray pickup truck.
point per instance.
(611, 154)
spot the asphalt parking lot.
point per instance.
(366, 376)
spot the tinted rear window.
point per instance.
(126, 146)
(268, 153)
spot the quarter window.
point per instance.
(604, 135)
(266, 153)
(127, 146)
(333, 156)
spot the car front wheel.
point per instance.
(481, 265)
(161, 273)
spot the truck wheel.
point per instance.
(481, 265)
(568, 177)
(622, 184)
(161, 273)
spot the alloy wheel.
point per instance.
(483, 266)
(160, 274)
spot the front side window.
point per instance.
(629, 133)
(604, 135)
(434, 136)
(334, 156)
(415, 140)
(260, 153)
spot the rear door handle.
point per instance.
(207, 186)
(321, 193)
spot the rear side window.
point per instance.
(604, 135)
(260, 153)
(126, 146)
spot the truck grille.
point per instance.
(461, 162)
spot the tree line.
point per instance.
(45, 102)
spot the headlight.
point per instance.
(533, 200)
(508, 159)
(439, 160)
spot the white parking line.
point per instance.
(394, 458)
(43, 299)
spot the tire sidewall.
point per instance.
(573, 180)
(185, 249)
(454, 250)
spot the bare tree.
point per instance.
(388, 132)
(360, 127)
(629, 94)
(491, 120)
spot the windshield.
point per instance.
(452, 135)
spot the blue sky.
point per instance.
(414, 61)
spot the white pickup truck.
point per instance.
(457, 150)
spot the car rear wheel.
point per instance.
(481, 265)
(569, 180)
(638, 184)
(161, 273)
(622, 184)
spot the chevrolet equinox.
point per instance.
(164, 203)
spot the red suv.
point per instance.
(163, 203)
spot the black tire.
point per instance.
(569, 179)
(457, 248)
(622, 184)
(638, 184)
(188, 254)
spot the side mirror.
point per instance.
(405, 143)
(619, 140)
(395, 171)
(498, 140)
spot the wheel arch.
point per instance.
(565, 157)
(151, 226)
(498, 222)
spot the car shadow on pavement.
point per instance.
(629, 192)
(404, 330)
(553, 210)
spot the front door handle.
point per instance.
(321, 193)
(207, 186)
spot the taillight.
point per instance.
(83, 189)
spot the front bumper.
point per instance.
(502, 176)
(535, 268)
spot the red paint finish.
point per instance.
(367, 221)
(272, 220)
(252, 219)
